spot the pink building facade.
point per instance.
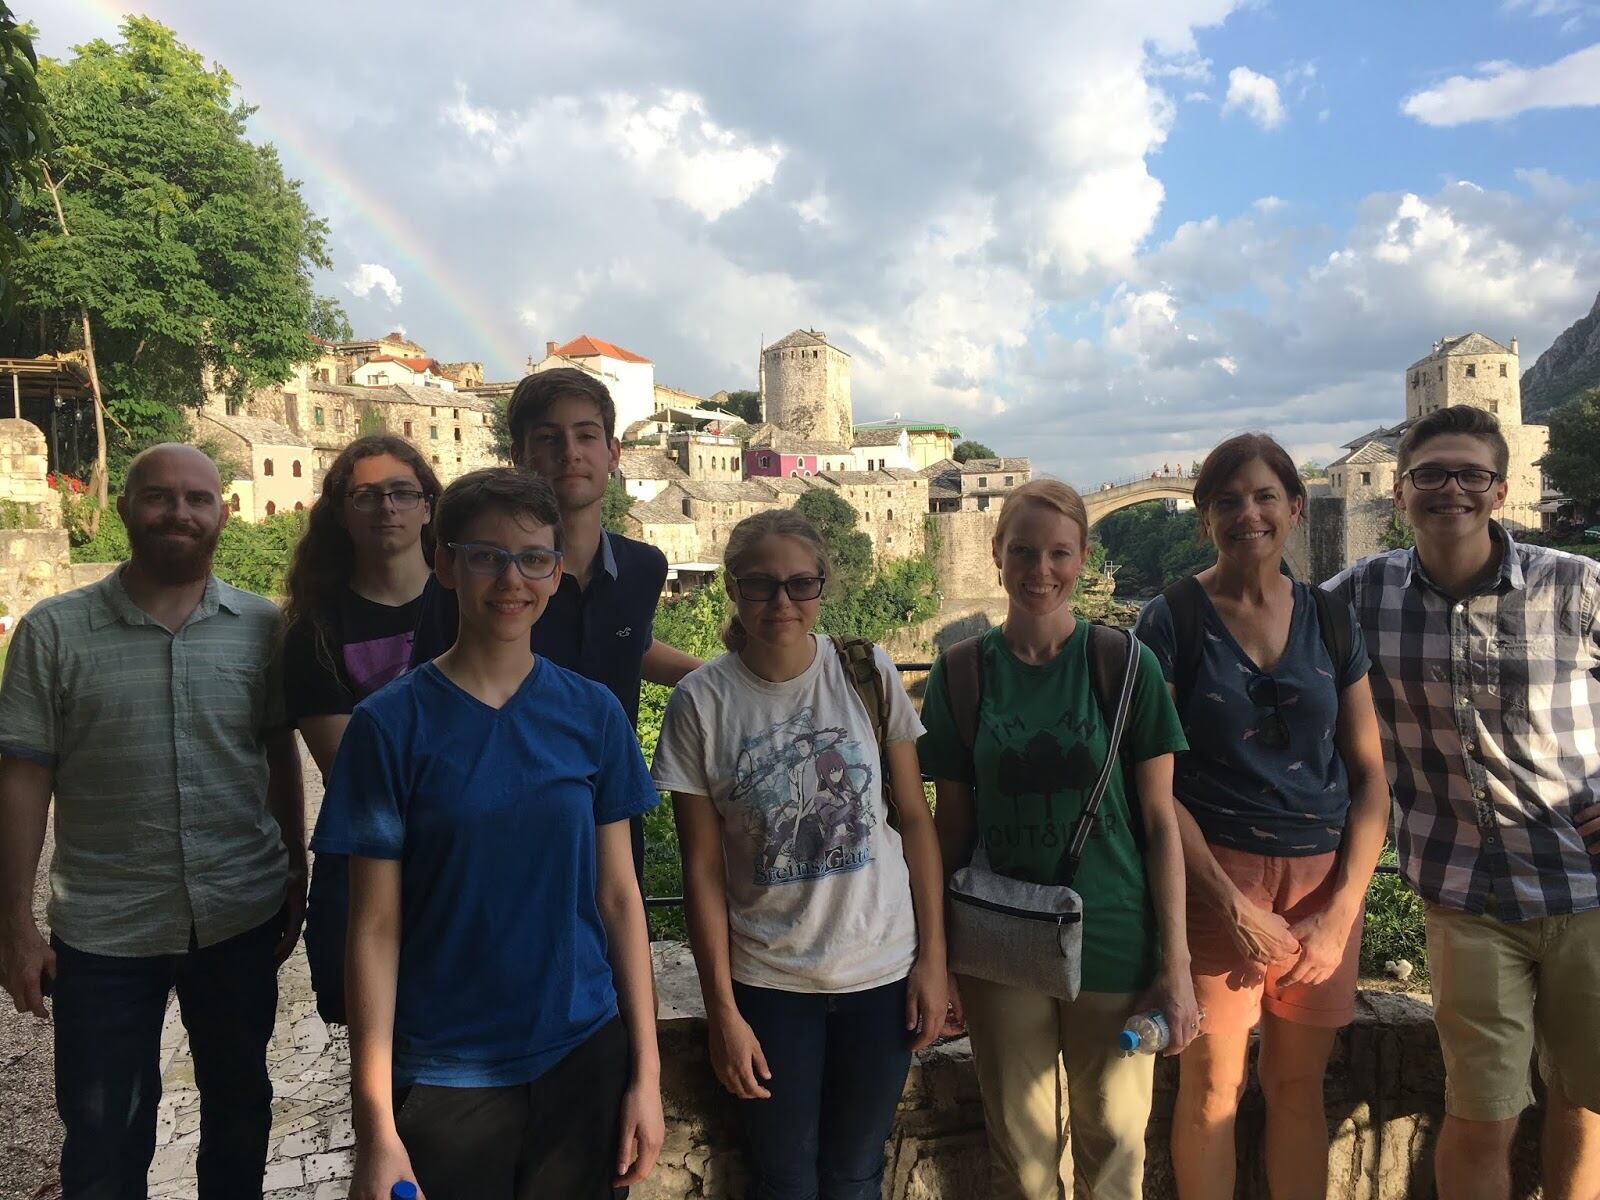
(764, 461)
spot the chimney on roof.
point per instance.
(549, 349)
(1513, 343)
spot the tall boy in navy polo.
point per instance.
(563, 428)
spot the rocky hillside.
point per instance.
(1569, 368)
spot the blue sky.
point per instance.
(1101, 234)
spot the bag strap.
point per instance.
(1186, 602)
(963, 687)
(1104, 639)
(1333, 618)
(859, 659)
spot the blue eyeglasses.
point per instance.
(491, 561)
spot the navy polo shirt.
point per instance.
(601, 631)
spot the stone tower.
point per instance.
(805, 388)
(1469, 369)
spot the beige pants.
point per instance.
(1097, 1107)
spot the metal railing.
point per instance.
(923, 668)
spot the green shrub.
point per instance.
(1395, 925)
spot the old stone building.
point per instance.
(805, 387)
(792, 455)
(877, 447)
(708, 456)
(646, 472)
(927, 442)
(274, 469)
(976, 485)
(891, 506)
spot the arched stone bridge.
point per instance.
(1136, 491)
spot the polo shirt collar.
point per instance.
(608, 560)
(1510, 577)
(110, 602)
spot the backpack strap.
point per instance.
(1333, 619)
(859, 659)
(1107, 645)
(1186, 602)
(963, 687)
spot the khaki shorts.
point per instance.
(1502, 990)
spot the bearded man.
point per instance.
(147, 704)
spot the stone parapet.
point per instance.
(1384, 1093)
(34, 564)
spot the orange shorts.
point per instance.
(1231, 989)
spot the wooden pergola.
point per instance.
(53, 392)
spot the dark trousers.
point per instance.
(838, 1065)
(555, 1137)
(108, 1014)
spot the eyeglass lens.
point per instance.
(369, 499)
(760, 588)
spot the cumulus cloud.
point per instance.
(370, 277)
(1256, 96)
(1500, 90)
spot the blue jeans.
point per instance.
(108, 1013)
(839, 1064)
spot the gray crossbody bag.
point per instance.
(1030, 935)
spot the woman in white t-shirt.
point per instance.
(817, 926)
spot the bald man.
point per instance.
(145, 704)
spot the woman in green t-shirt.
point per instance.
(1039, 747)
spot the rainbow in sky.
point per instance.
(415, 258)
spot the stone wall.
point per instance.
(1324, 533)
(1384, 1095)
(806, 391)
(34, 564)
(24, 463)
(963, 562)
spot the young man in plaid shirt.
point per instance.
(1486, 675)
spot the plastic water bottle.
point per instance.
(1145, 1033)
(404, 1190)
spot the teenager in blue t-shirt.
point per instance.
(501, 1019)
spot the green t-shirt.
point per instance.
(1040, 746)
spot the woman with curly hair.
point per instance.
(359, 588)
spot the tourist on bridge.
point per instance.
(1486, 670)
(502, 1023)
(148, 705)
(1018, 737)
(1283, 807)
(359, 588)
(811, 872)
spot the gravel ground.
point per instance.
(30, 1133)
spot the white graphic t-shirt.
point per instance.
(819, 899)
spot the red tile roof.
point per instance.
(588, 347)
(416, 364)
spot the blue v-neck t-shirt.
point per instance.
(492, 814)
(1283, 801)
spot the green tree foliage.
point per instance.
(1396, 534)
(329, 321)
(250, 555)
(967, 451)
(1573, 460)
(1154, 547)
(500, 447)
(745, 405)
(614, 505)
(190, 250)
(850, 549)
(24, 138)
(372, 422)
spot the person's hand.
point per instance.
(1172, 995)
(644, 1129)
(1588, 822)
(379, 1166)
(1260, 934)
(1323, 937)
(955, 1017)
(26, 960)
(927, 1002)
(736, 1057)
(294, 912)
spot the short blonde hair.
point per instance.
(1048, 493)
(743, 540)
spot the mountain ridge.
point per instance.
(1569, 368)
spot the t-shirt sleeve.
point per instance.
(904, 724)
(1359, 662)
(1156, 631)
(1153, 725)
(940, 751)
(30, 709)
(311, 687)
(363, 810)
(622, 786)
(681, 750)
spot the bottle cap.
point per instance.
(1127, 1041)
(404, 1190)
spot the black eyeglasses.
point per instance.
(1469, 479)
(1265, 692)
(491, 561)
(371, 499)
(762, 588)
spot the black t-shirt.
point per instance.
(369, 645)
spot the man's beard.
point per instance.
(173, 561)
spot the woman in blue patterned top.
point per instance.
(1283, 808)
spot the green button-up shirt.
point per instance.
(158, 743)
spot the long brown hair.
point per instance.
(742, 542)
(325, 557)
